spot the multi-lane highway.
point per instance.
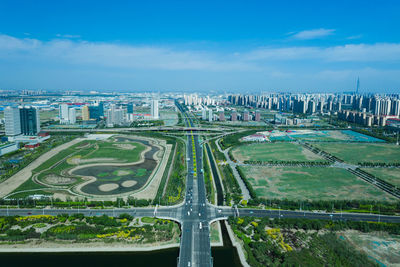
(195, 240)
(195, 214)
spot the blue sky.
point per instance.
(242, 46)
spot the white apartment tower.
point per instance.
(66, 114)
(154, 109)
(12, 121)
(72, 116)
(204, 114)
(63, 113)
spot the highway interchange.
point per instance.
(195, 214)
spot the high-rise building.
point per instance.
(234, 115)
(30, 121)
(63, 113)
(115, 116)
(95, 112)
(257, 116)
(154, 109)
(85, 113)
(210, 115)
(204, 114)
(246, 115)
(100, 106)
(312, 107)
(377, 106)
(221, 115)
(129, 108)
(12, 121)
(396, 107)
(72, 116)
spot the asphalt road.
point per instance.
(195, 247)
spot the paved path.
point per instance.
(243, 187)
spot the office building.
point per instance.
(95, 112)
(30, 121)
(129, 108)
(12, 121)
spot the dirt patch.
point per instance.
(123, 173)
(128, 183)
(79, 160)
(310, 155)
(108, 187)
(58, 180)
(339, 135)
(125, 146)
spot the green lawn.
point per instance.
(274, 151)
(111, 150)
(46, 115)
(362, 152)
(390, 175)
(317, 183)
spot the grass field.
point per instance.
(390, 175)
(46, 115)
(274, 151)
(301, 183)
(114, 151)
(362, 152)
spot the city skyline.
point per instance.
(165, 47)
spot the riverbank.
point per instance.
(46, 246)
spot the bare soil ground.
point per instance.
(108, 187)
(58, 180)
(129, 183)
(125, 146)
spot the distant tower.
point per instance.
(358, 85)
(154, 109)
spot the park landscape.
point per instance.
(108, 167)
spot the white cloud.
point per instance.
(68, 36)
(275, 61)
(354, 37)
(117, 55)
(312, 34)
(380, 52)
